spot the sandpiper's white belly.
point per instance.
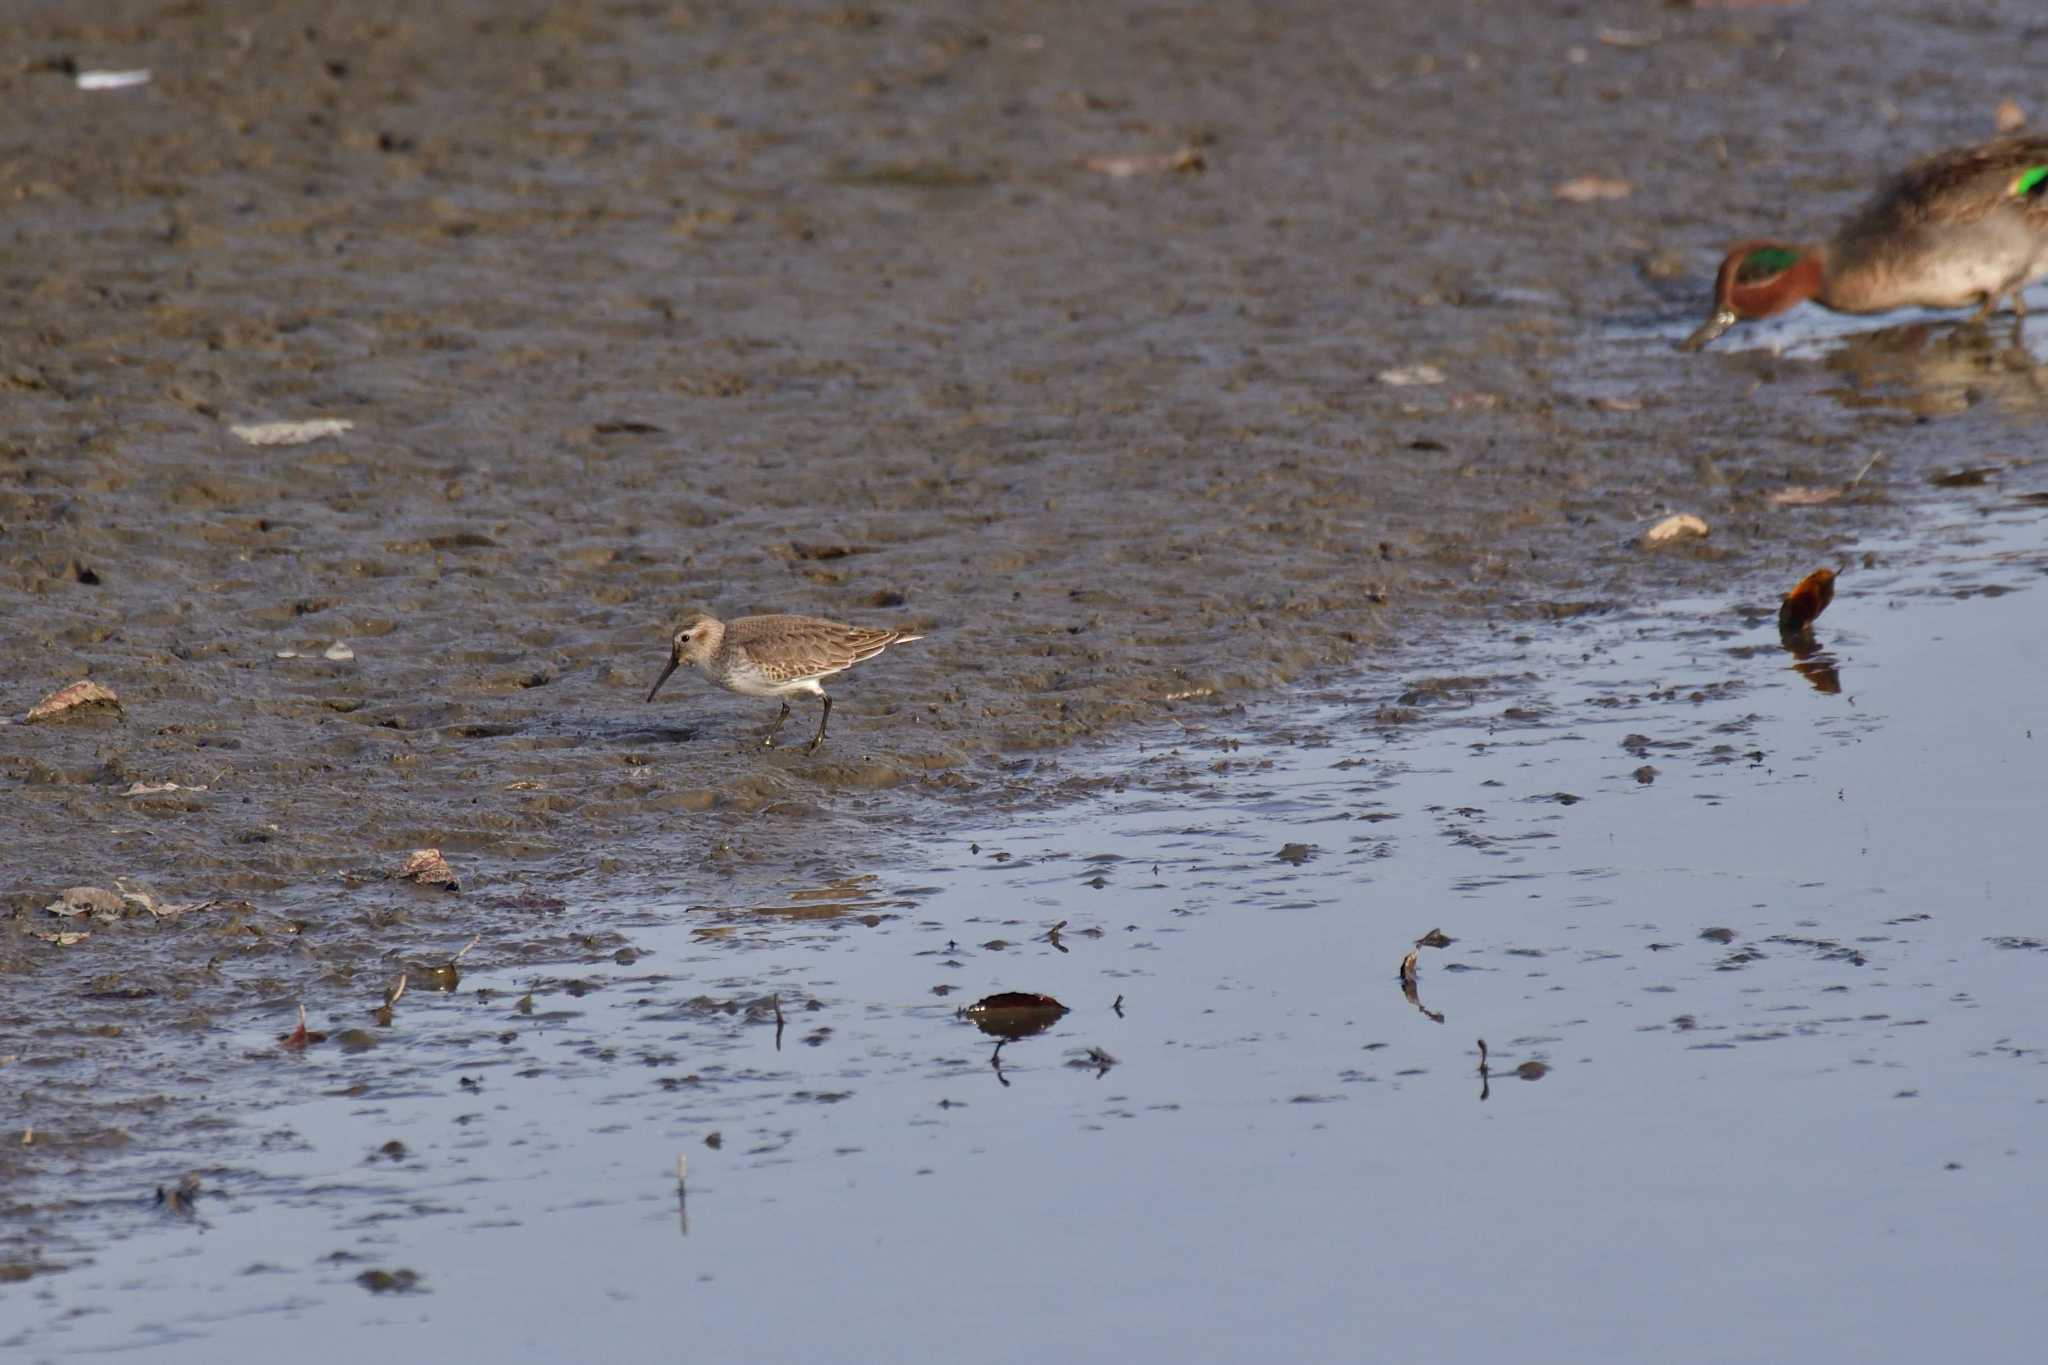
(748, 681)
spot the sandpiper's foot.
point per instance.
(819, 738)
(768, 740)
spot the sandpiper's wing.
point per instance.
(794, 648)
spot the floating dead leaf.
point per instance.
(1590, 189)
(1615, 404)
(2010, 117)
(1407, 376)
(445, 976)
(79, 696)
(1187, 159)
(1014, 1014)
(291, 433)
(427, 867)
(1806, 601)
(1532, 1071)
(299, 1038)
(179, 1198)
(339, 652)
(1965, 478)
(1630, 37)
(1683, 526)
(389, 1281)
(63, 938)
(1799, 495)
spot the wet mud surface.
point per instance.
(638, 310)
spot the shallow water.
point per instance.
(1818, 1117)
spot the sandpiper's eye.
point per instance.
(2031, 183)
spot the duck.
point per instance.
(1963, 227)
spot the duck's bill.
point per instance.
(1723, 319)
(663, 678)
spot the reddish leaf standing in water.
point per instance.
(1806, 601)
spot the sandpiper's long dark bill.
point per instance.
(775, 656)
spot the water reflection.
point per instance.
(1810, 661)
(1435, 938)
(1932, 368)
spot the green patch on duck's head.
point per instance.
(1767, 261)
(2031, 183)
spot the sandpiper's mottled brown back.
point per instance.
(784, 648)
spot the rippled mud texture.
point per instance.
(644, 309)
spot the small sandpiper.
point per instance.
(775, 656)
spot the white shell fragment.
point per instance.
(1589, 189)
(1124, 167)
(1404, 376)
(1681, 527)
(291, 433)
(112, 80)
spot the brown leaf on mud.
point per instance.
(427, 867)
(1187, 159)
(1806, 601)
(1799, 495)
(1014, 1014)
(80, 695)
(1590, 189)
(95, 901)
(799, 549)
(2010, 117)
(1964, 478)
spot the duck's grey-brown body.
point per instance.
(1965, 227)
(775, 656)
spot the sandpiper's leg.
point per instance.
(768, 740)
(1989, 302)
(823, 716)
(2019, 314)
